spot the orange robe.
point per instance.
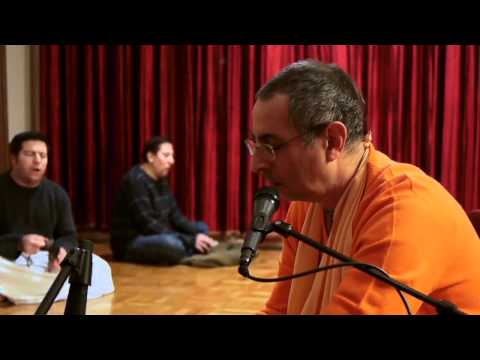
(407, 224)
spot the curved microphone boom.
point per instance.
(266, 202)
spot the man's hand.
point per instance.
(273, 237)
(54, 263)
(204, 243)
(32, 243)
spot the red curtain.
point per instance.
(99, 104)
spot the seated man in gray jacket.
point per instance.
(147, 225)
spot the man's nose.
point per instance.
(259, 163)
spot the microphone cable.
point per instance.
(329, 267)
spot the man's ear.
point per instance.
(149, 157)
(13, 160)
(336, 134)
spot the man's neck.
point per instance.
(24, 182)
(149, 171)
(328, 219)
(349, 167)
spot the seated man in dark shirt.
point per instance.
(147, 225)
(35, 213)
(36, 223)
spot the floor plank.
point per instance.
(177, 290)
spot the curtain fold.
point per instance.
(101, 103)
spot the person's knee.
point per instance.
(162, 249)
(175, 251)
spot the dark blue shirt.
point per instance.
(144, 206)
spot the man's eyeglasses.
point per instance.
(268, 151)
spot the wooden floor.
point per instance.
(177, 290)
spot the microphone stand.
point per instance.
(443, 307)
(78, 266)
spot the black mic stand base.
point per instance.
(54, 289)
(78, 266)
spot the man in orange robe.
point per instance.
(311, 142)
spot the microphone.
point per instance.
(266, 202)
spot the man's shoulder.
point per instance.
(134, 174)
(135, 180)
(137, 177)
(385, 173)
(3, 177)
(4, 185)
(395, 185)
(53, 187)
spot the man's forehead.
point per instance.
(277, 102)
(34, 145)
(270, 118)
(166, 147)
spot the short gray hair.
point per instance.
(319, 93)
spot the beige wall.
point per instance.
(22, 88)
